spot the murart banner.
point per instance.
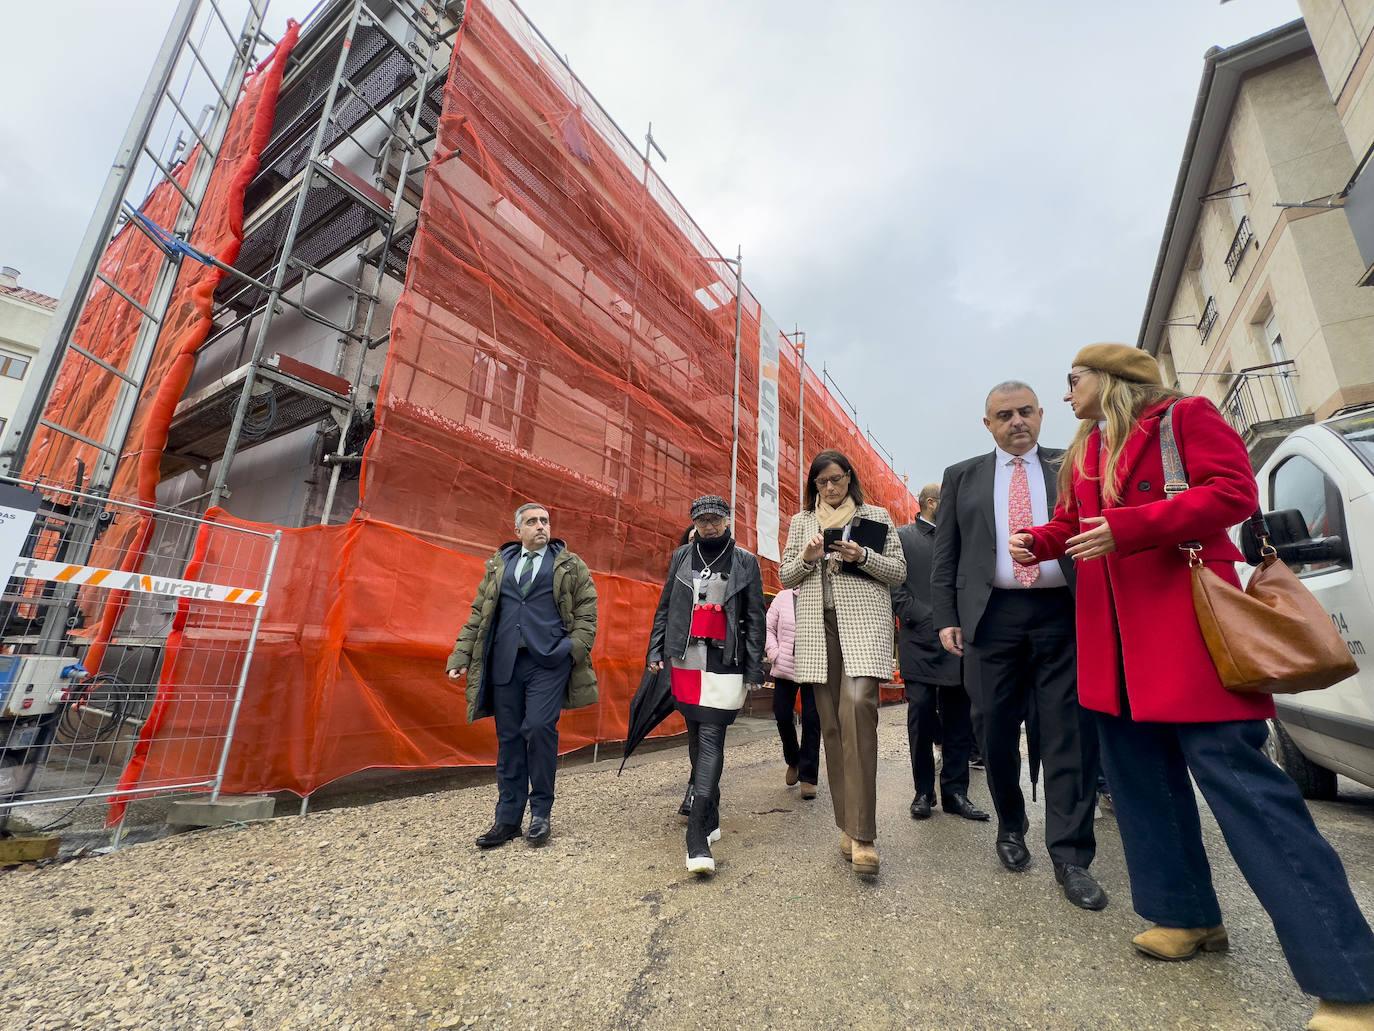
(766, 520)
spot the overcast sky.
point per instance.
(941, 194)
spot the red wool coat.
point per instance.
(1139, 599)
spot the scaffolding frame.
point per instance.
(350, 73)
(344, 111)
(158, 104)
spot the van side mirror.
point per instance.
(1291, 539)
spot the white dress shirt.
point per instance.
(1050, 573)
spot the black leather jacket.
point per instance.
(745, 618)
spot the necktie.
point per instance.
(526, 574)
(1020, 516)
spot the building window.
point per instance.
(494, 392)
(1283, 369)
(12, 365)
(1299, 483)
(667, 470)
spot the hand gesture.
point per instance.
(655, 668)
(847, 550)
(1019, 544)
(952, 640)
(456, 674)
(1095, 542)
(815, 548)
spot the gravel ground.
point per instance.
(385, 916)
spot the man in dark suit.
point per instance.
(526, 647)
(1014, 627)
(935, 694)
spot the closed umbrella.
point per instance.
(651, 705)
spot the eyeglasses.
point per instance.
(831, 481)
(1076, 377)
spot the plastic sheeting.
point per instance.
(566, 335)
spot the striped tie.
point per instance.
(526, 574)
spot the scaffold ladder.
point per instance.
(161, 104)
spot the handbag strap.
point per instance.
(1176, 482)
(1175, 474)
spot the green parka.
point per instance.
(575, 595)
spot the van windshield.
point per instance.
(1358, 431)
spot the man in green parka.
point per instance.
(527, 650)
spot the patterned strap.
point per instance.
(1175, 475)
(1176, 480)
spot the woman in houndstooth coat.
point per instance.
(844, 640)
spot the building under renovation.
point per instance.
(403, 275)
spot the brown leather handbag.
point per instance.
(1274, 637)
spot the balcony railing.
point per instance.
(1208, 320)
(1261, 394)
(1244, 234)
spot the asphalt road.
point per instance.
(385, 916)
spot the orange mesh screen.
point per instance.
(566, 334)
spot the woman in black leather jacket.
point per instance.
(709, 632)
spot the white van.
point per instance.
(1326, 473)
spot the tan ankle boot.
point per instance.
(1174, 943)
(791, 777)
(1342, 1016)
(808, 790)
(847, 846)
(865, 858)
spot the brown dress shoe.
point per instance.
(865, 858)
(808, 790)
(1174, 943)
(792, 774)
(847, 846)
(1342, 1016)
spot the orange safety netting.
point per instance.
(566, 335)
(84, 396)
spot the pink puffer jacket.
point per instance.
(782, 634)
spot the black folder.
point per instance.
(868, 533)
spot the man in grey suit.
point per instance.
(935, 695)
(1014, 627)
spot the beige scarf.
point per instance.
(830, 518)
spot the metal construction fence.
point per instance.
(109, 653)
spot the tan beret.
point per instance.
(1122, 361)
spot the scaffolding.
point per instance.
(354, 130)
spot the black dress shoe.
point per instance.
(1012, 851)
(1079, 887)
(959, 805)
(540, 829)
(499, 834)
(921, 806)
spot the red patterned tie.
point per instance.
(1021, 517)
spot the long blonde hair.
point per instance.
(1122, 402)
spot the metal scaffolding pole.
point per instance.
(226, 461)
(738, 263)
(98, 233)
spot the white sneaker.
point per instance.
(701, 864)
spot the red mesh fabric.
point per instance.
(566, 335)
(83, 396)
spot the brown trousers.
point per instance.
(848, 707)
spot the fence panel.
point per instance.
(111, 664)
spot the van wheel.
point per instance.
(1315, 782)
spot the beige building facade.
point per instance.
(24, 323)
(1256, 299)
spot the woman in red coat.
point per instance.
(1162, 711)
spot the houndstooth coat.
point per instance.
(863, 604)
